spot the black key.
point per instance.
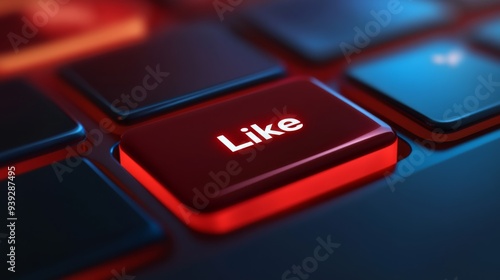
(185, 65)
(488, 35)
(30, 123)
(442, 84)
(65, 224)
(322, 29)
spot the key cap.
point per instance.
(47, 32)
(30, 123)
(185, 65)
(239, 161)
(69, 223)
(441, 85)
(488, 35)
(321, 30)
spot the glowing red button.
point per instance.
(224, 166)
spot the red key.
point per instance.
(224, 166)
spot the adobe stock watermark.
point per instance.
(363, 35)
(310, 264)
(223, 6)
(121, 275)
(127, 101)
(484, 90)
(48, 9)
(220, 180)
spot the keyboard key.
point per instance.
(68, 224)
(320, 30)
(47, 32)
(488, 35)
(442, 85)
(171, 70)
(236, 162)
(30, 123)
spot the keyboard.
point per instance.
(232, 139)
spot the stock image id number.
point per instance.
(11, 194)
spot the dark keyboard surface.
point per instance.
(253, 139)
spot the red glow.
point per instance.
(270, 203)
(78, 28)
(35, 163)
(129, 262)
